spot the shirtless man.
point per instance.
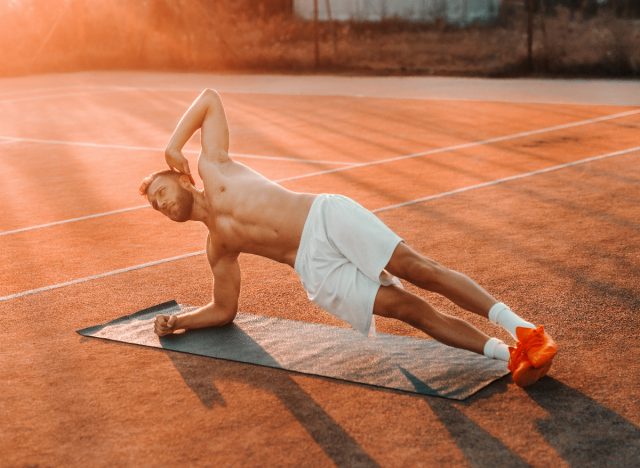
(348, 261)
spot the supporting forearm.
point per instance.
(191, 121)
(203, 317)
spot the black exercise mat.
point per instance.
(398, 362)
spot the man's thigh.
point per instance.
(409, 264)
(395, 302)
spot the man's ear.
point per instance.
(186, 182)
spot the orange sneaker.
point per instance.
(538, 345)
(522, 371)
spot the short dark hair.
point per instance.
(146, 182)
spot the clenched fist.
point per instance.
(165, 324)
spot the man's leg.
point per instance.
(427, 274)
(397, 303)
(529, 360)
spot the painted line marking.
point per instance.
(98, 276)
(71, 220)
(48, 96)
(83, 218)
(473, 144)
(250, 89)
(18, 93)
(75, 90)
(351, 165)
(377, 210)
(508, 179)
(88, 144)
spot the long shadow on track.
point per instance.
(582, 431)
(479, 447)
(336, 442)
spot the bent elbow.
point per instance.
(227, 317)
(210, 93)
(226, 321)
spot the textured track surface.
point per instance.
(561, 247)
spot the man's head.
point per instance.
(169, 192)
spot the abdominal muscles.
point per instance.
(255, 215)
(262, 239)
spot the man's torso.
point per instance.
(252, 214)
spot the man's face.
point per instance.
(166, 195)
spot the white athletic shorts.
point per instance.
(341, 258)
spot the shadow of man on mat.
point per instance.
(200, 374)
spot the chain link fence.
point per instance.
(523, 37)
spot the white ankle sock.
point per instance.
(505, 317)
(496, 349)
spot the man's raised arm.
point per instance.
(205, 113)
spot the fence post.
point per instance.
(315, 33)
(333, 27)
(530, 34)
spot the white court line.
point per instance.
(287, 158)
(508, 179)
(88, 144)
(18, 96)
(378, 210)
(82, 218)
(71, 220)
(471, 144)
(351, 166)
(98, 276)
(47, 96)
(23, 92)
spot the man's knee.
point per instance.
(394, 302)
(416, 268)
